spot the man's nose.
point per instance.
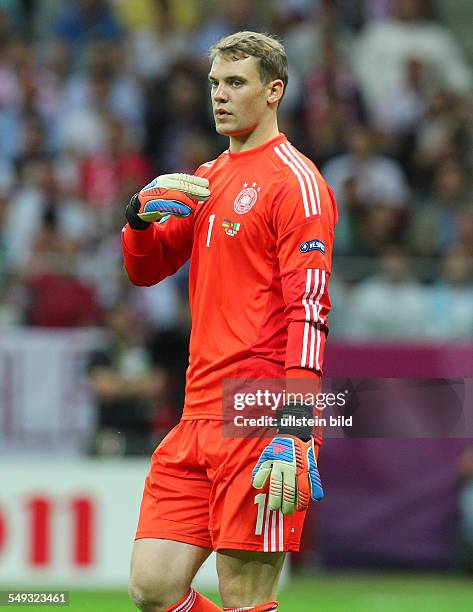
(220, 93)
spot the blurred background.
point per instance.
(99, 96)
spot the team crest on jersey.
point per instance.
(312, 245)
(231, 229)
(246, 199)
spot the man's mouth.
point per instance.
(220, 112)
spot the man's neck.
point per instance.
(256, 137)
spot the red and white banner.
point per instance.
(68, 523)
(72, 523)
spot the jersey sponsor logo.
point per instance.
(246, 199)
(231, 229)
(312, 245)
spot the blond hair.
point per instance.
(268, 50)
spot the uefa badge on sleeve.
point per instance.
(312, 245)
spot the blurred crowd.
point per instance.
(99, 96)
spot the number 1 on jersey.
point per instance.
(211, 224)
(260, 500)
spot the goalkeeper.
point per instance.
(257, 224)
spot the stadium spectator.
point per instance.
(332, 79)
(85, 21)
(383, 47)
(465, 234)
(379, 225)
(34, 149)
(159, 41)
(389, 305)
(227, 17)
(405, 106)
(443, 134)
(364, 230)
(40, 194)
(57, 297)
(127, 388)
(182, 113)
(330, 102)
(450, 299)
(104, 88)
(306, 32)
(115, 172)
(28, 90)
(378, 178)
(437, 222)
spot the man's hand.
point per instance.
(291, 466)
(169, 194)
(172, 194)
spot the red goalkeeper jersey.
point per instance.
(260, 254)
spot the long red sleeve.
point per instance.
(152, 254)
(304, 238)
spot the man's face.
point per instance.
(239, 98)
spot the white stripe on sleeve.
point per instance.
(281, 155)
(307, 317)
(314, 288)
(314, 317)
(308, 176)
(311, 174)
(316, 308)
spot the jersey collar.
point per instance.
(257, 150)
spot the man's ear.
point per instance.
(275, 91)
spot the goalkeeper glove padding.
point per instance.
(294, 478)
(172, 194)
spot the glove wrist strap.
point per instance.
(138, 224)
(295, 419)
(131, 214)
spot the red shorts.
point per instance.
(199, 491)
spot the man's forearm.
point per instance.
(143, 256)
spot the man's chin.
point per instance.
(221, 129)
(224, 130)
(227, 130)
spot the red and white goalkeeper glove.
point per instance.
(172, 194)
(169, 194)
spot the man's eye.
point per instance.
(236, 83)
